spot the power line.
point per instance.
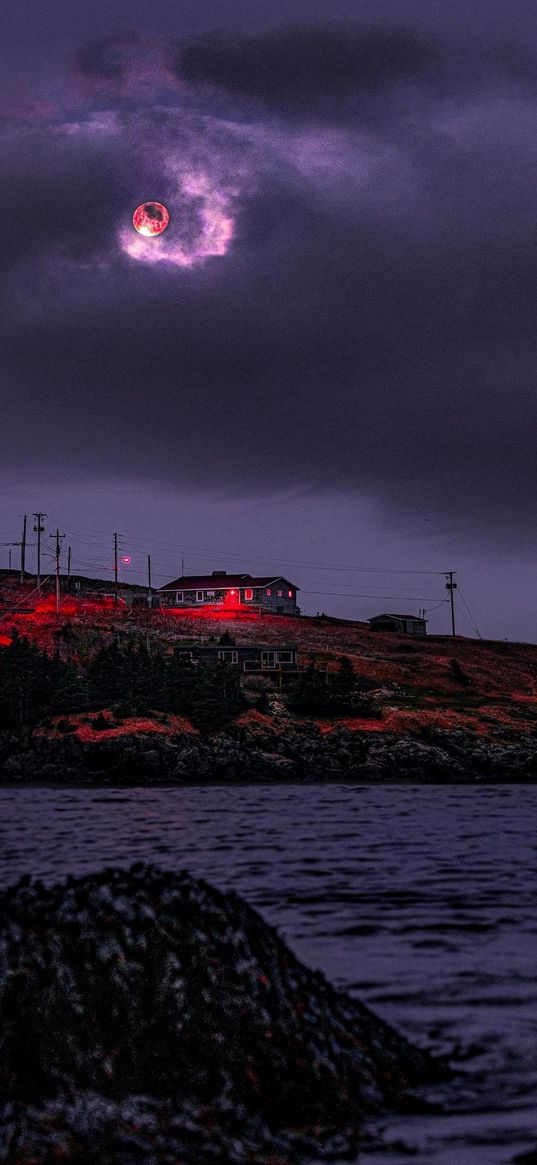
(346, 595)
(429, 610)
(232, 554)
(24, 599)
(470, 616)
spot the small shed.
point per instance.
(400, 624)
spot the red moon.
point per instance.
(150, 218)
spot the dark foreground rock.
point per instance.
(147, 1018)
(298, 755)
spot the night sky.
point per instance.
(329, 359)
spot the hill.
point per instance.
(475, 701)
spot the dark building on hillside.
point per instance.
(271, 593)
(400, 624)
(250, 658)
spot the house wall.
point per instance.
(400, 626)
(249, 657)
(276, 603)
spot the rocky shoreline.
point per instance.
(148, 1018)
(298, 755)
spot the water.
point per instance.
(419, 900)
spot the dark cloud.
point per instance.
(338, 71)
(307, 69)
(107, 58)
(370, 327)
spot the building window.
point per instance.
(280, 594)
(249, 594)
(290, 593)
(199, 596)
(178, 596)
(229, 656)
(269, 591)
(286, 656)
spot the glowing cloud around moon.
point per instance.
(150, 218)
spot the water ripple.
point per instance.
(421, 900)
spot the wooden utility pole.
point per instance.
(39, 529)
(23, 549)
(149, 592)
(451, 586)
(9, 559)
(58, 538)
(68, 565)
(115, 569)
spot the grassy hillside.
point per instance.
(439, 682)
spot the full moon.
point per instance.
(150, 218)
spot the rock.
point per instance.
(147, 1018)
(301, 753)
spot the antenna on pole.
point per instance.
(451, 586)
(10, 544)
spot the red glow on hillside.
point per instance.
(227, 610)
(47, 604)
(5, 641)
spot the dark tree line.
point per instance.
(339, 693)
(130, 680)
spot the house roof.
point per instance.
(216, 582)
(391, 615)
(179, 647)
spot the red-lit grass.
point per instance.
(256, 722)
(82, 727)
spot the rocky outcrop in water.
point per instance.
(147, 1018)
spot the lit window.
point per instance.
(248, 594)
(269, 592)
(280, 594)
(290, 593)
